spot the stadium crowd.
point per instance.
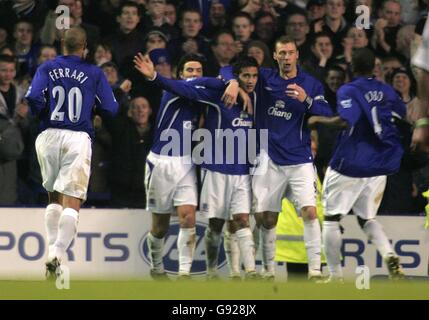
(219, 30)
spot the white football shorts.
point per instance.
(295, 182)
(224, 195)
(170, 182)
(65, 161)
(362, 195)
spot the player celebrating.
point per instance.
(226, 189)
(63, 94)
(367, 150)
(286, 168)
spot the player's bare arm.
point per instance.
(335, 122)
(229, 98)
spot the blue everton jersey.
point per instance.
(65, 90)
(371, 145)
(224, 145)
(285, 118)
(176, 120)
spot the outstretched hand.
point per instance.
(145, 66)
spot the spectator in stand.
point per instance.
(102, 54)
(223, 51)
(25, 49)
(47, 52)
(170, 14)
(266, 28)
(120, 87)
(262, 54)
(297, 26)
(155, 39)
(334, 24)
(389, 64)
(378, 72)
(190, 40)
(131, 142)
(217, 18)
(322, 56)
(127, 41)
(11, 147)
(386, 28)
(359, 37)
(316, 10)
(12, 104)
(3, 37)
(404, 83)
(242, 27)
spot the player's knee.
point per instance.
(269, 220)
(335, 218)
(309, 213)
(241, 220)
(159, 231)
(258, 219)
(231, 226)
(216, 225)
(187, 220)
(362, 222)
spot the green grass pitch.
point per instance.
(203, 290)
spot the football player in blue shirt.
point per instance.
(368, 149)
(63, 94)
(226, 186)
(286, 97)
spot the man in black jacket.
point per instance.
(11, 147)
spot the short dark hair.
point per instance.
(321, 34)
(129, 4)
(7, 58)
(284, 40)
(215, 38)
(363, 61)
(335, 68)
(192, 10)
(243, 14)
(263, 14)
(297, 13)
(243, 62)
(187, 58)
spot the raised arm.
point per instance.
(196, 89)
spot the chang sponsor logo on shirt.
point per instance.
(277, 111)
(238, 122)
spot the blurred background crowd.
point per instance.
(220, 30)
